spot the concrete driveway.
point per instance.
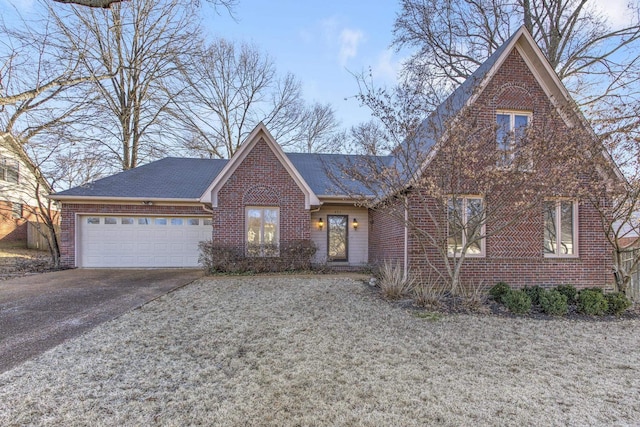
(41, 311)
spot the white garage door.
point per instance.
(128, 241)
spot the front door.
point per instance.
(337, 237)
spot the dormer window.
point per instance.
(510, 133)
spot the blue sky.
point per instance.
(321, 42)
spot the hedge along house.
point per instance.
(263, 199)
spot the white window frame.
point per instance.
(483, 240)
(574, 212)
(246, 228)
(513, 146)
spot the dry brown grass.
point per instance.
(325, 351)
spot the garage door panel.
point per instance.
(140, 242)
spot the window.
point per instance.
(207, 222)
(465, 226)
(9, 170)
(176, 221)
(93, 220)
(560, 228)
(510, 134)
(126, 221)
(160, 221)
(16, 210)
(263, 226)
(193, 221)
(144, 221)
(110, 220)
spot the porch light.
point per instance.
(320, 224)
(355, 224)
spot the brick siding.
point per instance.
(260, 180)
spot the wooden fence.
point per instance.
(634, 292)
(35, 238)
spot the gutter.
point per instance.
(81, 199)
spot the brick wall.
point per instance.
(260, 180)
(68, 220)
(515, 254)
(386, 235)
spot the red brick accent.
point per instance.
(386, 235)
(515, 254)
(260, 180)
(12, 230)
(68, 220)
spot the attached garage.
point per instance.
(140, 241)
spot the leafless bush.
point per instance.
(473, 296)
(430, 292)
(393, 282)
(289, 256)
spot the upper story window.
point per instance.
(9, 170)
(263, 231)
(465, 226)
(560, 228)
(510, 134)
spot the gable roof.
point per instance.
(433, 129)
(260, 132)
(171, 178)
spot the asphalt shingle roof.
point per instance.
(184, 178)
(169, 178)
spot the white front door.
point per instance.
(134, 241)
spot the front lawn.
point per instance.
(326, 351)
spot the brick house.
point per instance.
(155, 215)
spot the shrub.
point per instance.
(553, 302)
(592, 302)
(517, 301)
(618, 303)
(569, 291)
(289, 256)
(393, 284)
(473, 297)
(429, 293)
(534, 293)
(499, 290)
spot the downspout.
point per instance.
(406, 238)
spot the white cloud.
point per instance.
(616, 11)
(349, 41)
(386, 67)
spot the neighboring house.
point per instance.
(17, 192)
(155, 215)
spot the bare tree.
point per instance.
(368, 138)
(233, 87)
(448, 184)
(318, 131)
(138, 44)
(599, 64)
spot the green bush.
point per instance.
(569, 291)
(534, 293)
(618, 303)
(499, 290)
(592, 302)
(518, 302)
(553, 302)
